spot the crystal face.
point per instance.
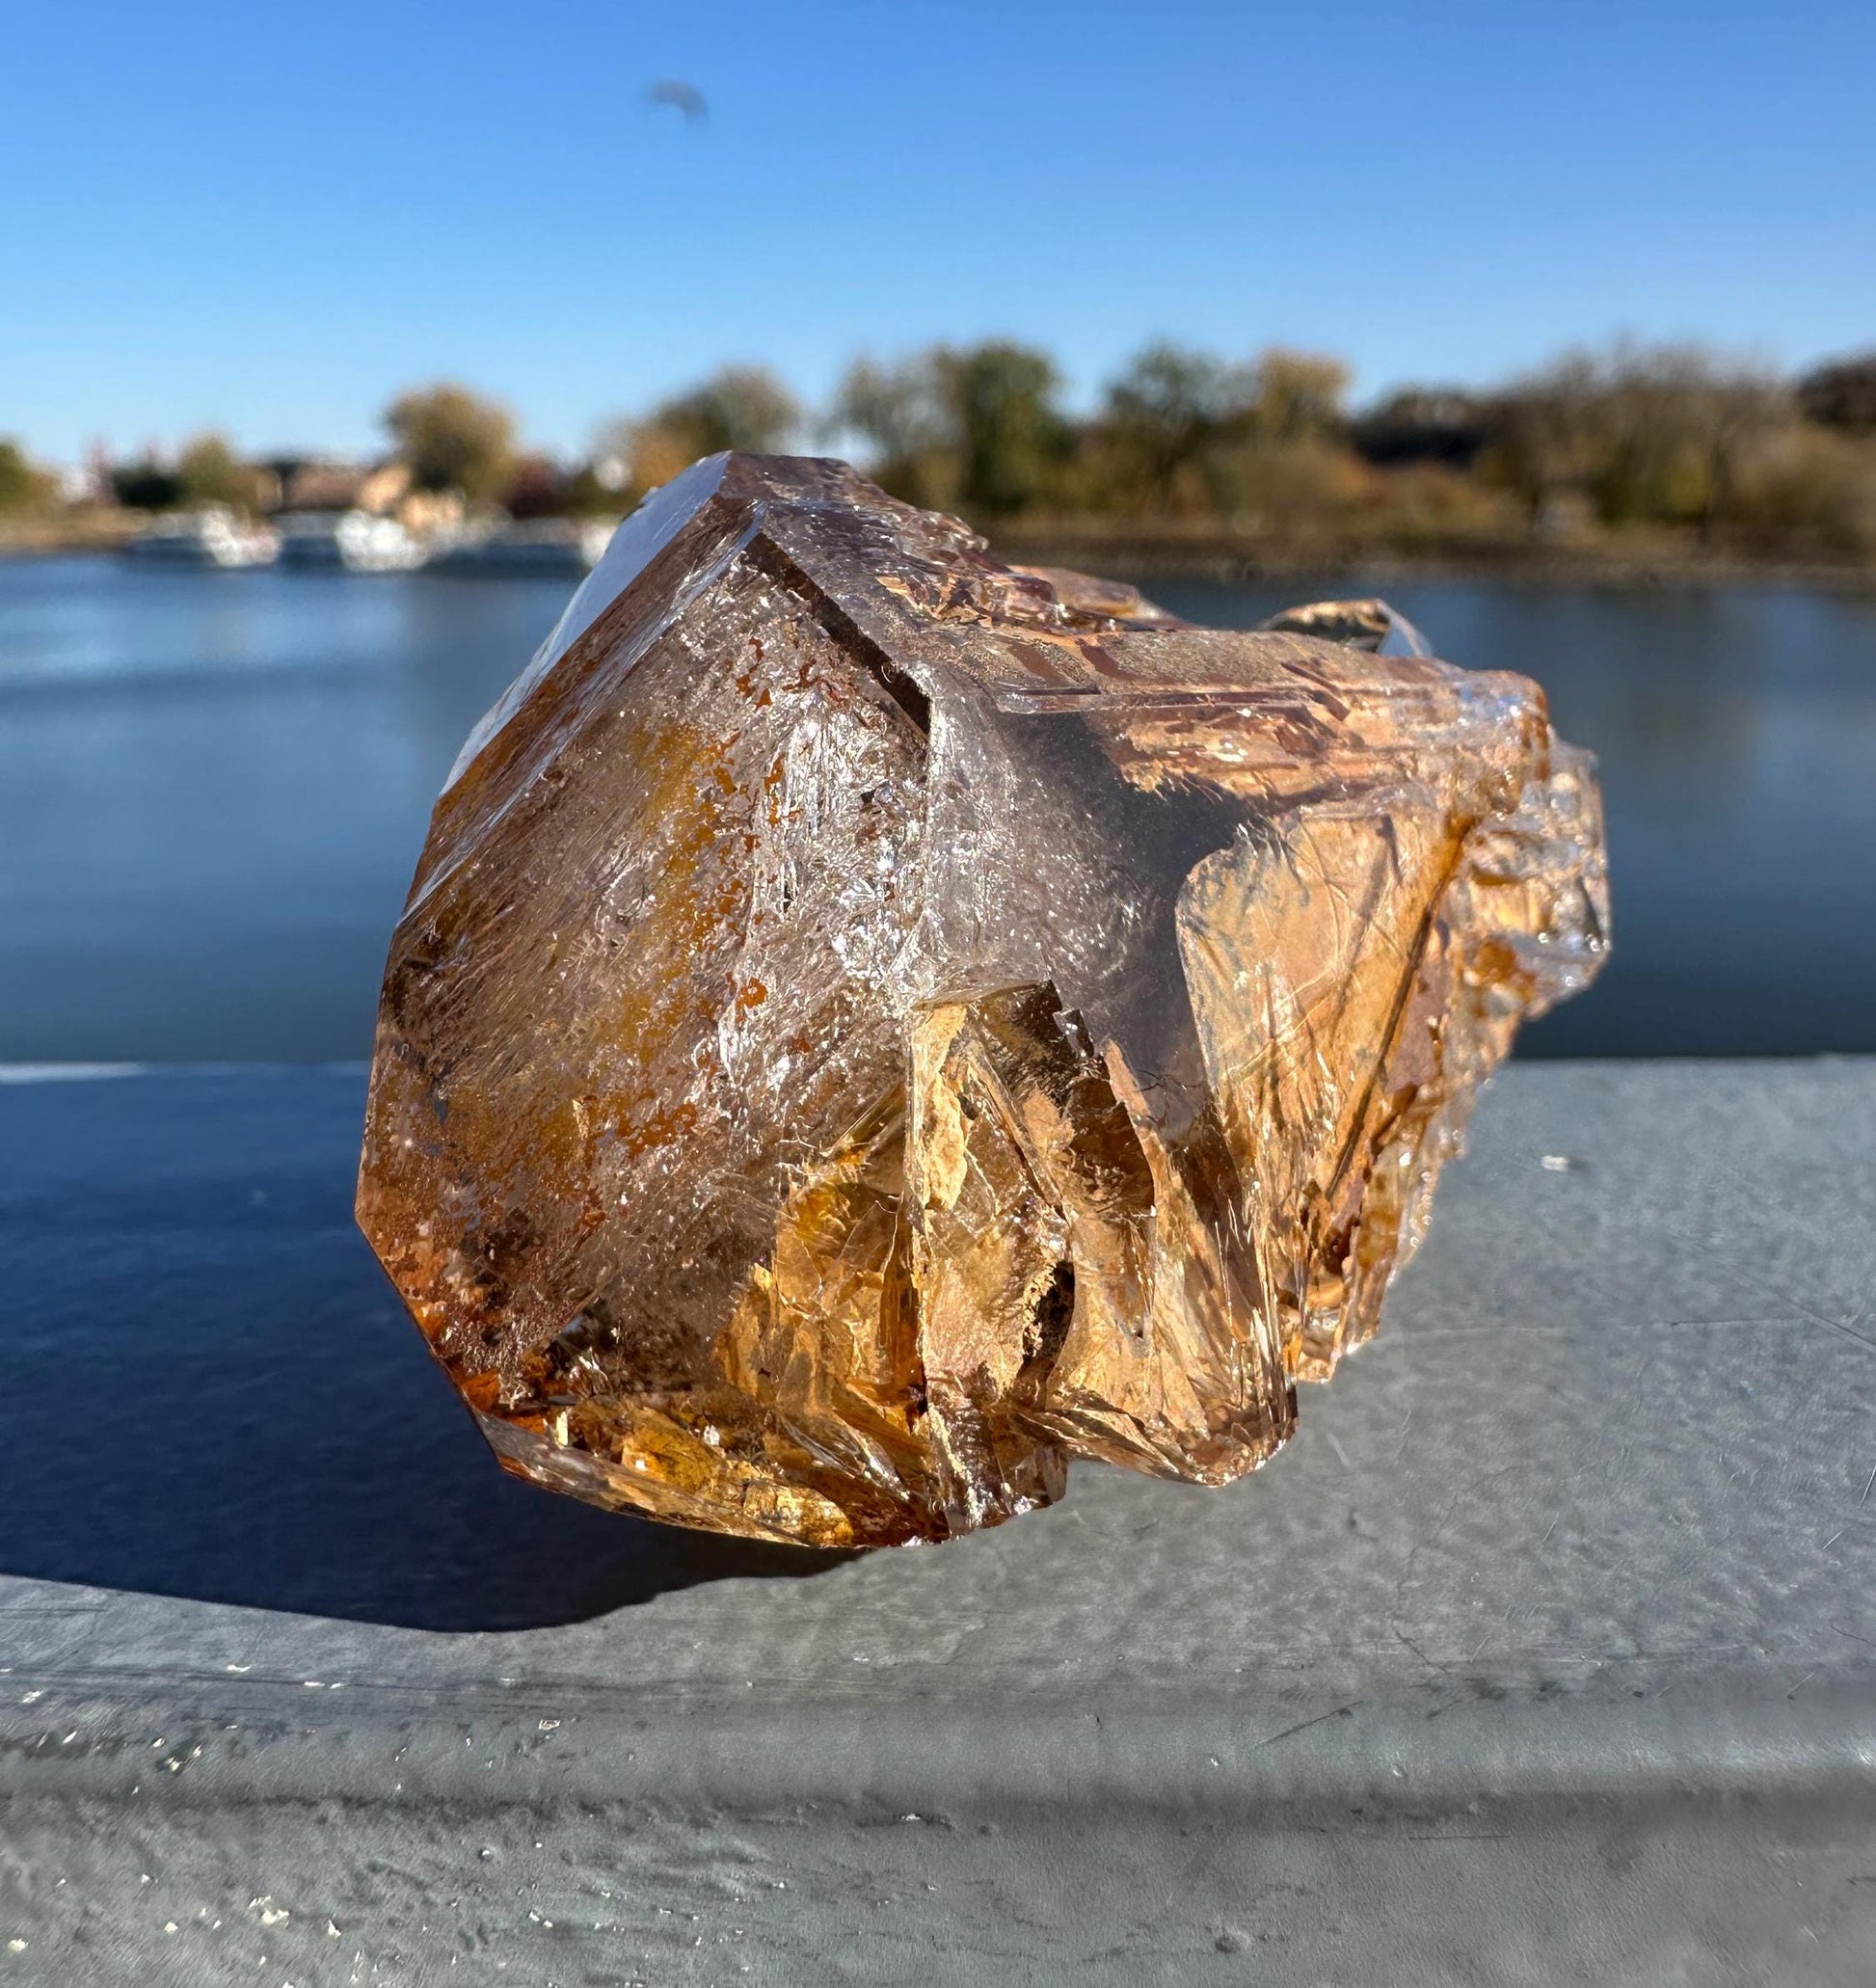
(872, 1025)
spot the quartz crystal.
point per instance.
(872, 1025)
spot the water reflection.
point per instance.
(212, 789)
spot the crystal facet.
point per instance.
(872, 1025)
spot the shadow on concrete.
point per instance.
(211, 1391)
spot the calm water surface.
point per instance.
(213, 787)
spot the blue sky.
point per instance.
(268, 219)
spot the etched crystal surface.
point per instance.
(872, 1025)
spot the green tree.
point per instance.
(1162, 415)
(454, 440)
(1002, 399)
(23, 486)
(974, 425)
(208, 472)
(738, 407)
(902, 414)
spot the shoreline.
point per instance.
(55, 538)
(1227, 556)
(1205, 551)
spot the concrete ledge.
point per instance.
(1547, 1651)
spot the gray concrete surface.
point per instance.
(1547, 1654)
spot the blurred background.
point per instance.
(333, 343)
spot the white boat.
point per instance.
(349, 541)
(212, 536)
(539, 546)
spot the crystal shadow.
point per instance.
(214, 1394)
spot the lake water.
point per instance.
(213, 787)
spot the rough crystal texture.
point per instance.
(872, 1025)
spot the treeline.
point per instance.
(1631, 439)
(1634, 436)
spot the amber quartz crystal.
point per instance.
(872, 1025)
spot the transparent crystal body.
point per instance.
(870, 1025)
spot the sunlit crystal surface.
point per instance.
(872, 1026)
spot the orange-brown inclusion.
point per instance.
(872, 1026)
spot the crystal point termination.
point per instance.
(872, 1025)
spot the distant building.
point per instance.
(329, 483)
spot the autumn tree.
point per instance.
(1657, 434)
(453, 440)
(738, 407)
(1546, 434)
(1285, 396)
